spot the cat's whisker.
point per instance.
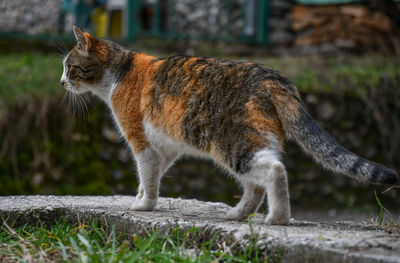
(62, 48)
(64, 97)
(83, 103)
(80, 105)
(74, 103)
(60, 57)
(86, 97)
(83, 108)
(69, 101)
(73, 100)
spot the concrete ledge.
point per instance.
(301, 241)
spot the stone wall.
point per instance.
(30, 16)
(209, 18)
(231, 19)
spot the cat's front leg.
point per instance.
(149, 164)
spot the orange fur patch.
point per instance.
(88, 39)
(146, 71)
(127, 101)
(86, 35)
(169, 117)
(263, 124)
(100, 49)
(281, 97)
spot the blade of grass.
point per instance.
(63, 250)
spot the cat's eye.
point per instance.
(82, 69)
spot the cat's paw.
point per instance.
(236, 214)
(143, 204)
(277, 220)
(140, 194)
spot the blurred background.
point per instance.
(344, 56)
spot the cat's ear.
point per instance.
(83, 40)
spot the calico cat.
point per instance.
(238, 114)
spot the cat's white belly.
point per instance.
(168, 146)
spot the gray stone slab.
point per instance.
(301, 241)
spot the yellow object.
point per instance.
(100, 20)
(116, 24)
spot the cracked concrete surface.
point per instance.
(301, 241)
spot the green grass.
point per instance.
(29, 74)
(382, 209)
(63, 242)
(386, 222)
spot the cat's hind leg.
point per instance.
(252, 197)
(268, 171)
(278, 196)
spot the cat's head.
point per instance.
(85, 64)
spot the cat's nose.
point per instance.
(63, 83)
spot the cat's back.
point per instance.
(216, 106)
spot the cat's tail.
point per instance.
(315, 141)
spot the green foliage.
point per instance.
(382, 220)
(339, 75)
(48, 151)
(29, 74)
(382, 208)
(92, 242)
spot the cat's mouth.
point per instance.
(70, 87)
(67, 86)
